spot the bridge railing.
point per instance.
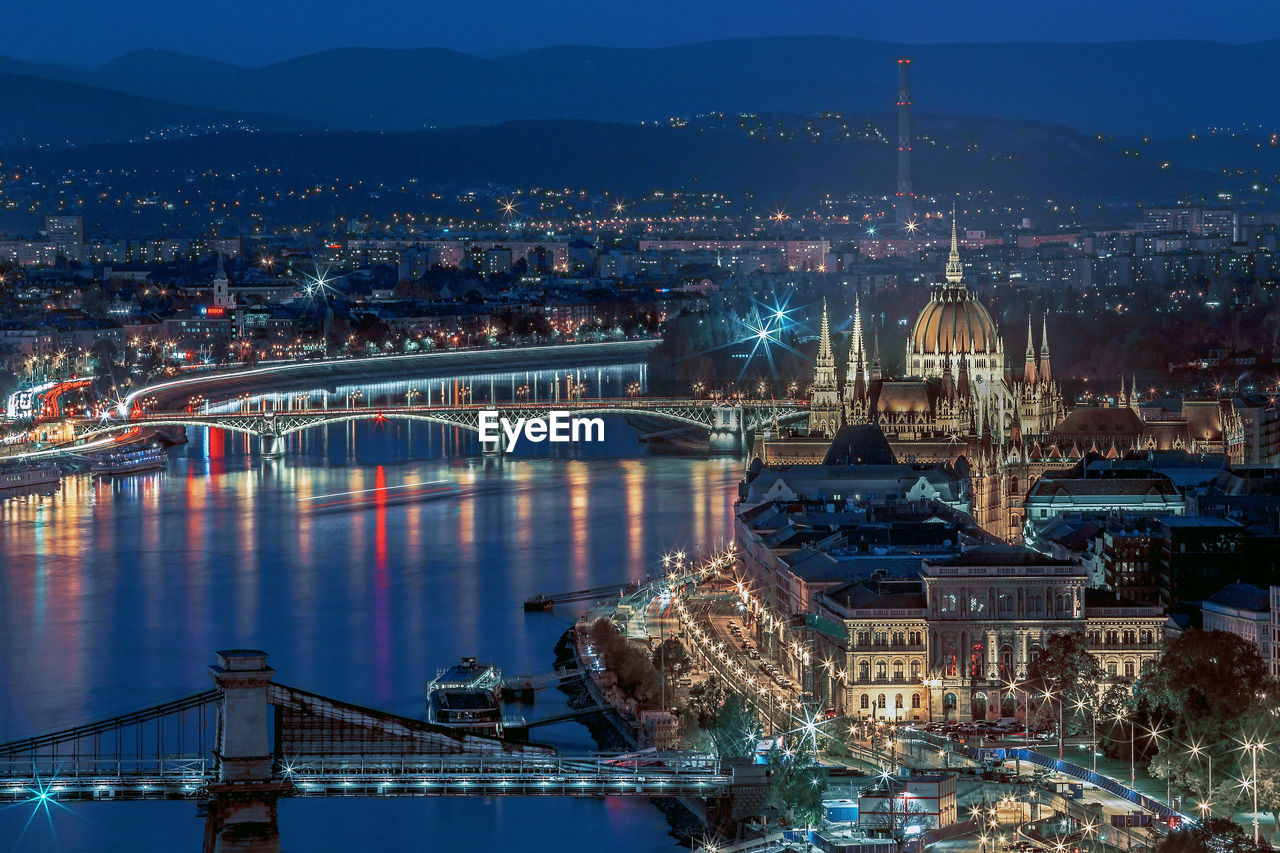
(645, 774)
(657, 764)
(62, 769)
(637, 403)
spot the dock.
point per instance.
(546, 602)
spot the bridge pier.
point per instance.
(728, 430)
(241, 821)
(746, 799)
(272, 446)
(240, 814)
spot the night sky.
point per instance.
(252, 32)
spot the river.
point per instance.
(115, 594)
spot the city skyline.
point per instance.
(639, 449)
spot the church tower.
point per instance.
(857, 378)
(221, 287)
(824, 398)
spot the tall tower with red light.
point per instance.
(904, 201)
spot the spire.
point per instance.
(1123, 399)
(856, 378)
(1045, 375)
(824, 398)
(875, 355)
(1029, 371)
(963, 384)
(221, 274)
(1133, 394)
(857, 350)
(824, 338)
(955, 272)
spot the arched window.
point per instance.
(915, 670)
(880, 701)
(864, 638)
(897, 670)
(898, 639)
(915, 700)
(864, 671)
(1129, 668)
(882, 670)
(1146, 637)
(949, 702)
(864, 702)
(949, 663)
(977, 660)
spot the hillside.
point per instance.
(1157, 88)
(41, 111)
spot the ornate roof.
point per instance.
(954, 321)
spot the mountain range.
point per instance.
(1157, 88)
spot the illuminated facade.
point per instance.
(974, 623)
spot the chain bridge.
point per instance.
(239, 747)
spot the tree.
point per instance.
(630, 666)
(1208, 690)
(1203, 684)
(672, 658)
(705, 700)
(734, 730)
(797, 781)
(1066, 669)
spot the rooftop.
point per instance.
(1000, 555)
(1243, 596)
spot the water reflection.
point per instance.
(114, 594)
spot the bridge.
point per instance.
(719, 418)
(239, 747)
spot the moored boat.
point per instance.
(467, 696)
(133, 462)
(28, 477)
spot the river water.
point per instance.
(115, 594)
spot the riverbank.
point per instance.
(611, 734)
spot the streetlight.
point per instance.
(1026, 718)
(1252, 747)
(1197, 750)
(1048, 696)
(1119, 718)
(1093, 730)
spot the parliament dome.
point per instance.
(954, 321)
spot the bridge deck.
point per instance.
(643, 775)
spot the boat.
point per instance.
(133, 462)
(380, 497)
(468, 697)
(28, 477)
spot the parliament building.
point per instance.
(962, 404)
